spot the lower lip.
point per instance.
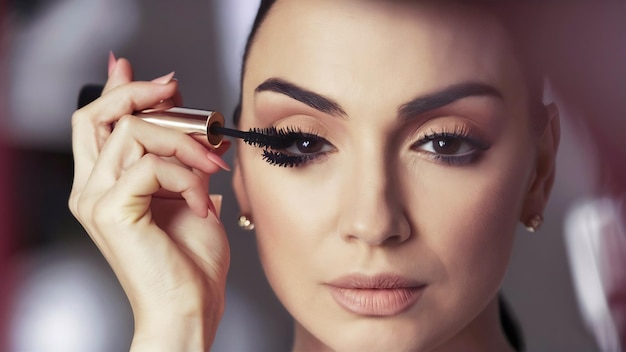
(376, 302)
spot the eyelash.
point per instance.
(278, 155)
(275, 153)
(459, 134)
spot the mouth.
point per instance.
(378, 296)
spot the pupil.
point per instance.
(447, 145)
(309, 146)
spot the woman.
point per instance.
(417, 148)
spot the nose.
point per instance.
(372, 210)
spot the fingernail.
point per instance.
(164, 79)
(223, 148)
(112, 62)
(213, 211)
(217, 202)
(217, 160)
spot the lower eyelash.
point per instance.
(458, 159)
(274, 154)
(285, 160)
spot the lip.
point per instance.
(380, 295)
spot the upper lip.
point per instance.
(379, 281)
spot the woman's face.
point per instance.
(393, 229)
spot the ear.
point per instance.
(240, 189)
(542, 179)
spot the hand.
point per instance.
(141, 192)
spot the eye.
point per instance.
(446, 145)
(296, 148)
(308, 144)
(451, 148)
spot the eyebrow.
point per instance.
(312, 99)
(413, 108)
(445, 97)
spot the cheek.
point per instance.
(291, 212)
(467, 216)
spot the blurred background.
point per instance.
(62, 296)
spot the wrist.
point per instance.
(176, 332)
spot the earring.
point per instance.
(534, 223)
(245, 223)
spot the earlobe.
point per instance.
(543, 177)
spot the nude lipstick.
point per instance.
(379, 296)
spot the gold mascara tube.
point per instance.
(186, 120)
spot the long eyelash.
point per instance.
(272, 138)
(285, 160)
(278, 139)
(459, 131)
(267, 138)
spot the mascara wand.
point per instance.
(197, 122)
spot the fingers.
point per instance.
(92, 125)
(134, 189)
(133, 137)
(166, 252)
(124, 100)
(102, 156)
(120, 72)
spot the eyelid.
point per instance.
(444, 125)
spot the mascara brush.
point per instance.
(197, 122)
(211, 124)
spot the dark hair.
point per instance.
(534, 82)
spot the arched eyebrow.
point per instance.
(307, 97)
(445, 97)
(408, 110)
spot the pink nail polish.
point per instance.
(217, 202)
(213, 211)
(112, 62)
(217, 160)
(165, 79)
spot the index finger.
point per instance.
(92, 125)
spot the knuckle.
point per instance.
(79, 209)
(126, 100)
(151, 159)
(79, 116)
(125, 123)
(71, 204)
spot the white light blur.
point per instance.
(591, 235)
(67, 303)
(235, 18)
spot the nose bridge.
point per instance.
(372, 211)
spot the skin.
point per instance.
(376, 205)
(378, 202)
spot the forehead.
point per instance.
(403, 47)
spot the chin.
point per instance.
(375, 334)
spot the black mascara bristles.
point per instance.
(285, 160)
(263, 138)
